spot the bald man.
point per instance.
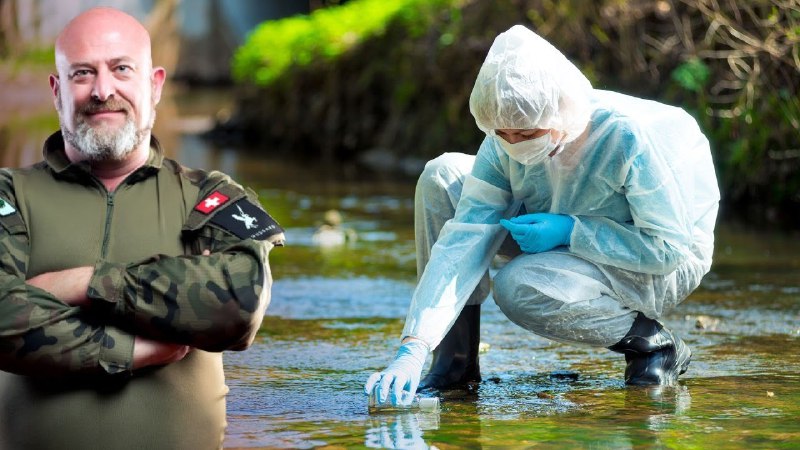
(123, 275)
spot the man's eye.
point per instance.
(123, 68)
(81, 73)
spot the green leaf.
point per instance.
(692, 75)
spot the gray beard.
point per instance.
(103, 144)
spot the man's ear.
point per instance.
(157, 79)
(55, 86)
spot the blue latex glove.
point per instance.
(540, 232)
(398, 382)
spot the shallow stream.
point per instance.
(337, 313)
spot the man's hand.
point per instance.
(69, 285)
(147, 352)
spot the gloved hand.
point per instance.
(399, 381)
(540, 232)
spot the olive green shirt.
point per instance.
(67, 378)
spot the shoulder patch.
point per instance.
(10, 220)
(246, 220)
(5, 208)
(212, 202)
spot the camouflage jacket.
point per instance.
(145, 241)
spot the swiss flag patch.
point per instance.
(211, 202)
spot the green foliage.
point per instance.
(40, 57)
(325, 34)
(276, 45)
(46, 122)
(397, 76)
(692, 75)
(747, 102)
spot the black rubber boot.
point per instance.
(655, 356)
(455, 360)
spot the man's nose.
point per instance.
(103, 86)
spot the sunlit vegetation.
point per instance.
(397, 75)
(326, 33)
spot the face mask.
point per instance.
(530, 152)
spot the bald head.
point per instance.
(100, 27)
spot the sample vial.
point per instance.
(425, 404)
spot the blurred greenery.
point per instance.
(348, 80)
(36, 55)
(39, 122)
(326, 33)
(27, 58)
(692, 75)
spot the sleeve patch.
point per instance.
(246, 220)
(5, 208)
(212, 202)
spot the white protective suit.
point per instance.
(636, 175)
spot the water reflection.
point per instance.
(400, 430)
(660, 406)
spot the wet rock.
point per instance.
(703, 322)
(564, 375)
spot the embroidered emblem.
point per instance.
(248, 220)
(212, 202)
(6, 209)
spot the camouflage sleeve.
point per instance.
(40, 335)
(213, 302)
